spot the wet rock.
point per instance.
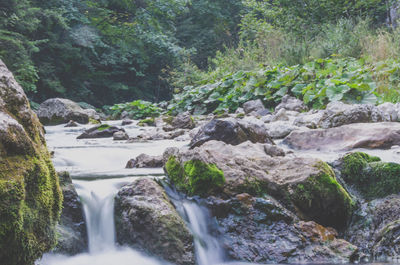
(120, 136)
(347, 137)
(291, 103)
(261, 230)
(159, 134)
(72, 234)
(145, 219)
(232, 131)
(338, 114)
(30, 196)
(253, 106)
(100, 131)
(305, 185)
(310, 119)
(60, 110)
(71, 123)
(126, 122)
(182, 121)
(390, 111)
(375, 227)
(145, 161)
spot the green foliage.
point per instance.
(317, 83)
(137, 109)
(373, 178)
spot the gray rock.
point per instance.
(291, 103)
(253, 105)
(120, 136)
(182, 121)
(59, 110)
(145, 219)
(100, 131)
(232, 131)
(71, 123)
(261, 230)
(301, 183)
(145, 161)
(358, 135)
(280, 129)
(126, 122)
(310, 119)
(72, 235)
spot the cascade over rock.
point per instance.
(30, 195)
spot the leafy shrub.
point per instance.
(317, 83)
(138, 109)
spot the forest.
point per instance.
(107, 51)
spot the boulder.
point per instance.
(261, 230)
(60, 110)
(145, 161)
(280, 129)
(145, 219)
(30, 195)
(232, 131)
(338, 114)
(100, 131)
(309, 119)
(253, 106)
(371, 177)
(72, 235)
(291, 103)
(126, 122)
(375, 229)
(182, 121)
(305, 185)
(120, 136)
(358, 135)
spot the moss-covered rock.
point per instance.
(147, 122)
(307, 186)
(370, 176)
(30, 195)
(195, 177)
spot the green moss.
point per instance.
(149, 122)
(103, 127)
(323, 199)
(93, 121)
(373, 178)
(168, 119)
(195, 177)
(240, 115)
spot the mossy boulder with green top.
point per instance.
(370, 176)
(30, 195)
(306, 186)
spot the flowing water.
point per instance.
(97, 167)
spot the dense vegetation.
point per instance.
(111, 51)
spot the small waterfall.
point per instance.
(208, 248)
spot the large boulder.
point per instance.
(72, 235)
(358, 135)
(30, 195)
(261, 230)
(146, 219)
(145, 161)
(375, 229)
(338, 114)
(100, 131)
(232, 131)
(305, 185)
(60, 110)
(253, 106)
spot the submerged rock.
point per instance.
(100, 131)
(120, 136)
(358, 135)
(60, 110)
(30, 196)
(72, 234)
(71, 123)
(307, 186)
(261, 230)
(232, 131)
(146, 219)
(145, 161)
